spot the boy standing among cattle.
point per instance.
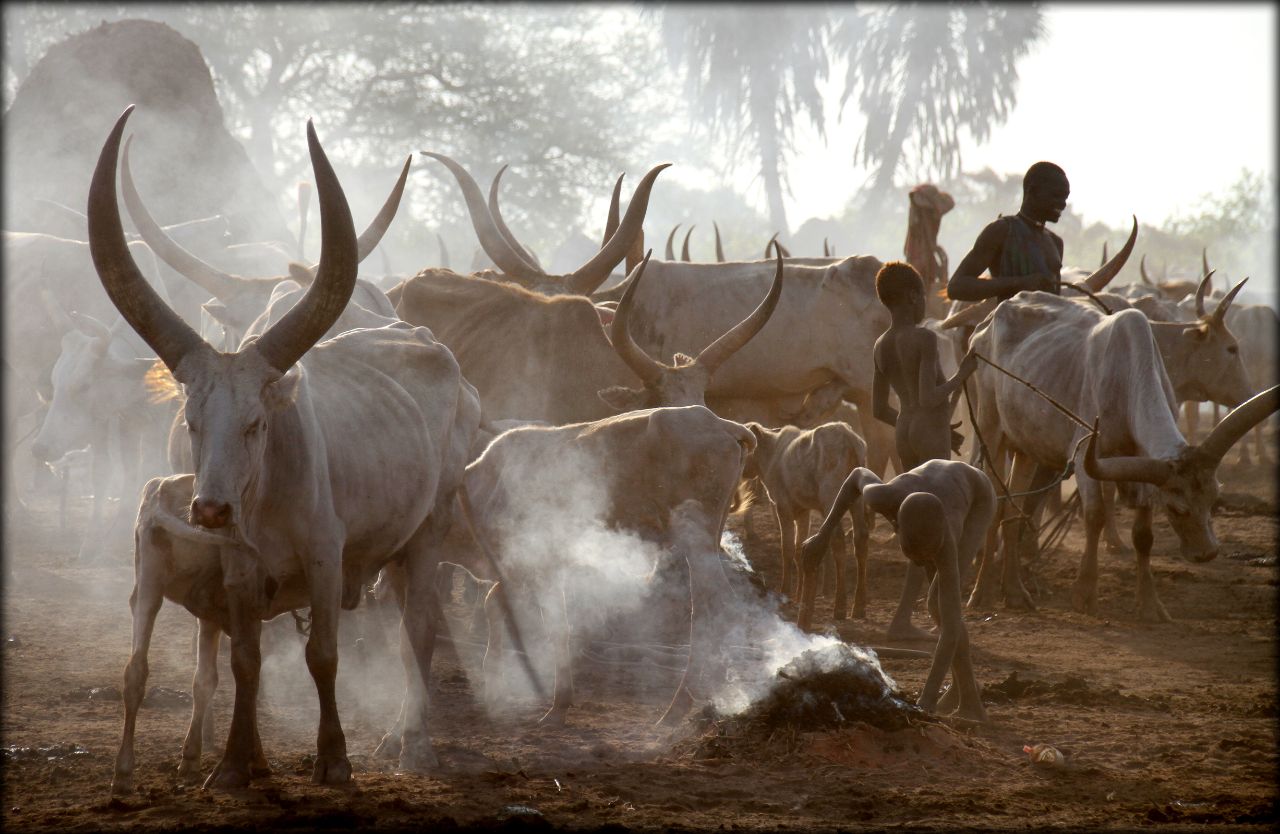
(906, 360)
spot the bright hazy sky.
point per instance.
(1146, 107)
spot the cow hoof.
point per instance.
(1086, 602)
(1154, 612)
(122, 784)
(388, 747)
(189, 770)
(258, 769)
(331, 770)
(226, 778)
(417, 758)
(1019, 599)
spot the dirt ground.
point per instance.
(1170, 724)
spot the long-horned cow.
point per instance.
(1106, 365)
(317, 472)
(548, 358)
(662, 476)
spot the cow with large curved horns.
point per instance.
(243, 298)
(506, 253)
(316, 473)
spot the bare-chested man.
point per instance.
(1018, 251)
(941, 510)
(906, 360)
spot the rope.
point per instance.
(1065, 517)
(1078, 287)
(1062, 408)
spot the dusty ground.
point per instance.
(1162, 724)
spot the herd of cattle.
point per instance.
(327, 428)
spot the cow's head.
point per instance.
(96, 377)
(518, 265)
(1214, 369)
(1188, 484)
(230, 397)
(685, 381)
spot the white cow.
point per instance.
(1095, 364)
(316, 475)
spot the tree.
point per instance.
(923, 73)
(750, 71)
(487, 85)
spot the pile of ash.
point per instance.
(824, 689)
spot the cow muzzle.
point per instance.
(211, 513)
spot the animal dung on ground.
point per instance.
(1044, 755)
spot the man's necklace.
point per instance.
(1033, 224)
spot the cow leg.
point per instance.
(325, 578)
(1084, 594)
(1022, 475)
(985, 583)
(203, 685)
(1109, 531)
(422, 619)
(233, 769)
(555, 615)
(787, 537)
(707, 584)
(1149, 605)
(145, 603)
(839, 560)
(832, 571)
(861, 547)
(391, 742)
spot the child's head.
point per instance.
(899, 285)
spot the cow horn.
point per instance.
(288, 339)
(768, 247)
(491, 240)
(507, 234)
(372, 236)
(209, 278)
(1204, 258)
(304, 211)
(719, 248)
(1238, 422)
(587, 278)
(715, 354)
(636, 253)
(684, 250)
(1142, 270)
(1099, 280)
(971, 315)
(641, 364)
(670, 253)
(1220, 312)
(611, 222)
(1203, 287)
(161, 328)
(1103, 262)
(826, 250)
(444, 251)
(1140, 468)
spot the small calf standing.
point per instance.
(802, 470)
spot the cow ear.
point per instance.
(1198, 332)
(622, 399)
(282, 392)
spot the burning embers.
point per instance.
(825, 688)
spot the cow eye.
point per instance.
(1233, 350)
(253, 428)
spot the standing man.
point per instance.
(1020, 253)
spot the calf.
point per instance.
(802, 470)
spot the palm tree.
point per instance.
(921, 73)
(749, 71)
